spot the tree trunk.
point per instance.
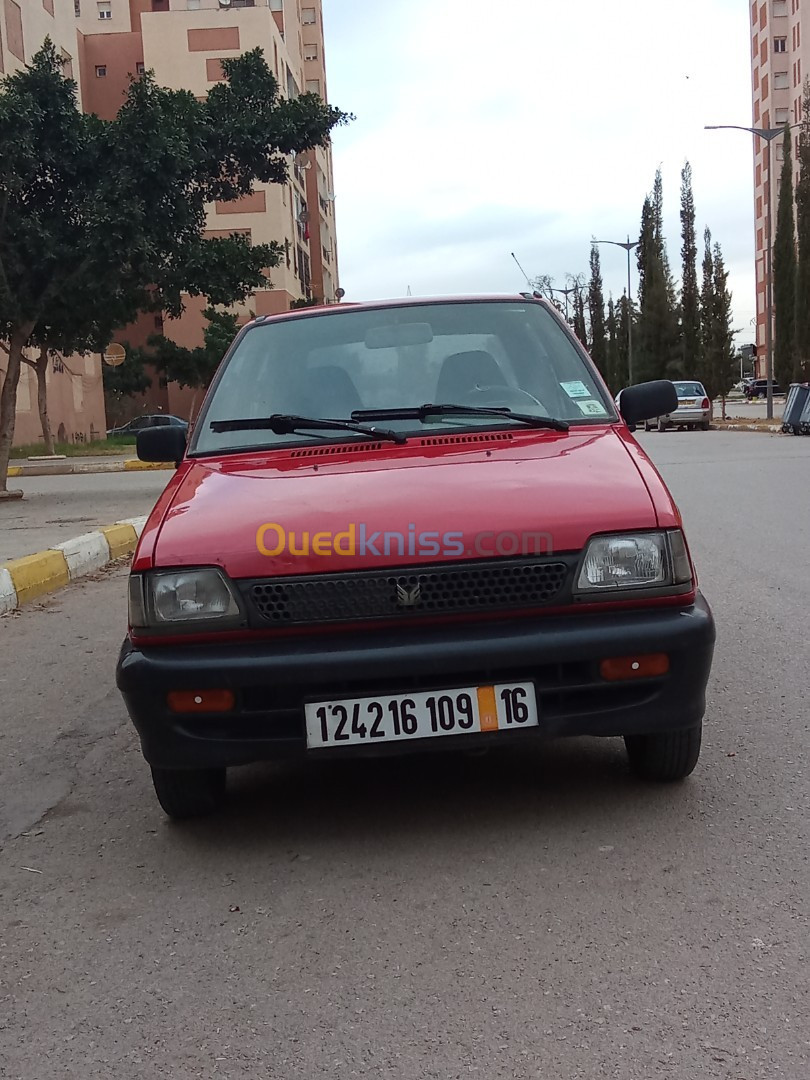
(723, 399)
(41, 368)
(8, 399)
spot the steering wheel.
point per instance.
(500, 396)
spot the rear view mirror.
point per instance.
(391, 337)
(647, 401)
(160, 444)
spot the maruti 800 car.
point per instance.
(407, 526)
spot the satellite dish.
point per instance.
(115, 355)
(225, 3)
(303, 217)
(340, 293)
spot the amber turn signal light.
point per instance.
(193, 701)
(634, 667)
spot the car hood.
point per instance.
(494, 494)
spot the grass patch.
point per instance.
(116, 445)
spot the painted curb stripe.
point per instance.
(35, 575)
(121, 539)
(81, 468)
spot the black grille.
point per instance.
(483, 586)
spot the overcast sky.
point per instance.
(531, 126)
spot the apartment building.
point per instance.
(780, 39)
(184, 43)
(107, 42)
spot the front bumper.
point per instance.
(560, 654)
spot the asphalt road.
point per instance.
(521, 916)
(57, 508)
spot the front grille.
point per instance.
(484, 586)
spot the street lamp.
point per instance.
(628, 246)
(768, 135)
(566, 293)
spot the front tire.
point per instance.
(189, 793)
(666, 756)
(662, 426)
(705, 425)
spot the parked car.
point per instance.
(694, 408)
(150, 420)
(758, 388)
(338, 568)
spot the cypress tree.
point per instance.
(612, 349)
(802, 354)
(596, 310)
(690, 290)
(784, 273)
(657, 335)
(580, 326)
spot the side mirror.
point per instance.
(160, 444)
(648, 400)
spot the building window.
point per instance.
(67, 64)
(314, 86)
(243, 3)
(104, 10)
(782, 116)
(780, 7)
(310, 52)
(780, 44)
(193, 5)
(101, 71)
(781, 80)
(159, 323)
(276, 5)
(77, 8)
(140, 68)
(308, 17)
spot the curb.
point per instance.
(770, 429)
(78, 467)
(32, 576)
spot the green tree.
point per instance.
(802, 359)
(784, 273)
(596, 312)
(612, 349)
(690, 289)
(100, 220)
(718, 370)
(580, 326)
(656, 338)
(624, 314)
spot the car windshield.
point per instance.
(480, 354)
(689, 389)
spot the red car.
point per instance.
(410, 526)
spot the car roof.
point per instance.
(402, 301)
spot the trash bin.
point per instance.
(797, 409)
(804, 419)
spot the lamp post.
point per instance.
(628, 246)
(566, 293)
(767, 135)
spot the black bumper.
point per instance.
(560, 654)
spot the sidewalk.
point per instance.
(73, 466)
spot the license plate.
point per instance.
(685, 404)
(395, 718)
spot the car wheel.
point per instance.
(662, 425)
(705, 425)
(647, 425)
(665, 756)
(189, 793)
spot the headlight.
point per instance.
(178, 597)
(638, 561)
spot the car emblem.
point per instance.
(409, 597)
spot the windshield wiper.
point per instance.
(423, 412)
(286, 424)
